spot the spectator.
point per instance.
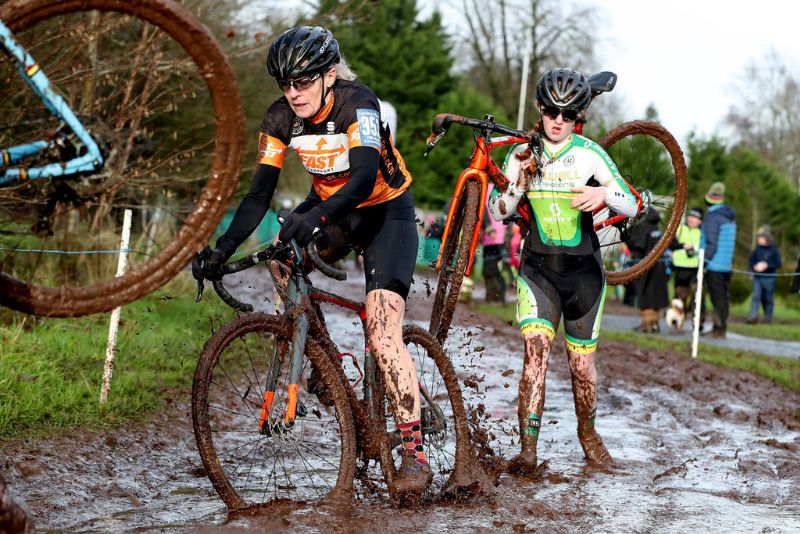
(685, 260)
(765, 260)
(493, 239)
(718, 238)
(651, 289)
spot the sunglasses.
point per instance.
(569, 115)
(301, 84)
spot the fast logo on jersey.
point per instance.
(369, 128)
(322, 154)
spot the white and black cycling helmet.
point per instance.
(302, 51)
(565, 89)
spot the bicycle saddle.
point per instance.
(602, 82)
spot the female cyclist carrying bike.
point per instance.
(360, 184)
(561, 272)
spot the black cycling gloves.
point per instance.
(301, 226)
(206, 264)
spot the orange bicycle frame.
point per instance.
(481, 169)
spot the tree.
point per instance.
(496, 43)
(768, 116)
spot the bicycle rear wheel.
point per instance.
(455, 256)
(250, 455)
(651, 161)
(155, 90)
(443, 420)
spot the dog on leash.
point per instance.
(675, 317)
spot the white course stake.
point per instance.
(112, 328)
(698, 302)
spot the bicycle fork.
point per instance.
(294, 409)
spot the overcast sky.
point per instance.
(684, 56)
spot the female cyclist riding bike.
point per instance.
(360, 184)
(561, 272)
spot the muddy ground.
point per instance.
(696, 448)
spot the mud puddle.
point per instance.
(695, 447)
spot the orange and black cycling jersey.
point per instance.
(350, 119)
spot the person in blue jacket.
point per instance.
(765, 260)
(718, 239)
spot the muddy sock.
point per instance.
(586, 419)
(411, 435)
(530, 432)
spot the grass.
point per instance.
(51, 369)
(785, 325)
(782, 371)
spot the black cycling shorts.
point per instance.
(551, 285)
(386, 235)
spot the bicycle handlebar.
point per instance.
(443, 121)
(319, 263)
(267, 254)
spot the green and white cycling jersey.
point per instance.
(557, 227)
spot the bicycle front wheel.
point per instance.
(455, 257)
(651, 161)
(240, 399)
(154, 89)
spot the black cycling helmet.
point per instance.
(302, 51)
(564, 89)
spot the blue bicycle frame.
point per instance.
(90, 162)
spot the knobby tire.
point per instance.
(331, 378)
(455, 257)
(200, 45)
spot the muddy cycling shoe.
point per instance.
(596, 453)
(523, 464)
(411, 479)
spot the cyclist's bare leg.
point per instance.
(584, 391)
(385, 310)
(530, 404)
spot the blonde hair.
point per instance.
(344, 71)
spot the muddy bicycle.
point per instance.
(109, 105)
(649, 160)
(276, 416)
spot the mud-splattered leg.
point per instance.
(530, 404)
(385, 311)
(584, 391)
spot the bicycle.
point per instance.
(658, 180)
(113, 113)
(271, 423)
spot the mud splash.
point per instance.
(696, 447)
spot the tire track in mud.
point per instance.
(695, 447)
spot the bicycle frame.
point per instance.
(32, 74)
(299, 298)
(481, 169)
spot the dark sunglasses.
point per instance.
(569, 115)
(301, 84)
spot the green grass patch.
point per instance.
(782, 371)
(51, 369)
(778, 331)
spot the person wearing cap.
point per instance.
(685, 260)
(764, 261)
(718, 238)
